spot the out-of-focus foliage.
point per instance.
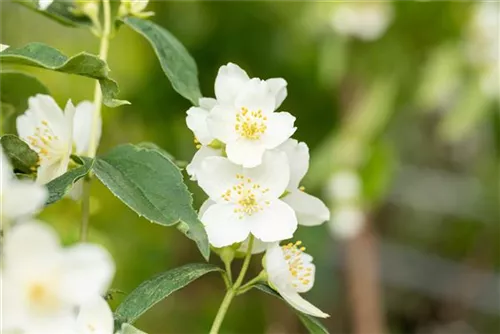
(413, 111)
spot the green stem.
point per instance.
(85, 209)
(227, 264)
(248, 285)
(103, 54)
(231, 292)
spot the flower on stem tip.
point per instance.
(18, 198)
(243, 116)
(43, 283)
(246, 200)
(290, 271)
(55, 134)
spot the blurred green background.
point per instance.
(412, 109)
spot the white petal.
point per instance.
(276, 267)
(273, 173)
(299, 303)
(230, 80)
(298, 156)
(258, 246)
(69, 119)
(216, 175)
(196, 121)
(221, 122)
(204, 152)
(247, 153)
(47, 173)
(310, 211)
(346, 222)
(3, 47)
(95, 317)
(44, 108)
(22, 198)
(204, 207)
(88, 271)
(256, 95)
(82, 127)
(275, 222)
(277, 86)
(279, 129)
(44, 4)
(224, 227)
(300, 287)
(207, 103)
(27, 242)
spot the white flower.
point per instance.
(53, 134)
(18, 198)
(48, 131)
(44, 4)
(3, 47)
(43, 282)
(204, 152)
(290, 271)
(347, 222)
(310, 210)
(244, 117)
(196, 120)
(344, 185)
(367, 21)
(95, 317)
(246, 200)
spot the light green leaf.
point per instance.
(313, 325)
(149, 183)
(154, 290)
(83, 64)
(15, 90)
(62, 185)
(21, 156)
(129, 329)
(175, 60)
(61, 11)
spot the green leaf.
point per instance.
(15, 90)
(129, 329)
(83, 64)
(154, 290)
(313, 325)
(175, 60)
(21, 156)
(61, 11)
(149, 183)
(62, 185)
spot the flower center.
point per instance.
(46, 143)
(293, 256)
(250, 124)
(246, 195)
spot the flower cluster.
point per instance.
(47, 288)
(251, 170)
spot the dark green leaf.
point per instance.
(61, 11)
(149, 183)
(21, 156)
(15, 89)
(83, 64)
(158, 288)
(62, 185)
(313, 325)
(175, 60)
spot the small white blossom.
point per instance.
(55, 134)
(347, 222)
(43, 282)
(95, 317)
(366, 21)
(310, 210)
(44, 4)
(290, 271)
(18, 198)
(196, 120)
(203, 152)
(246, 200)
(244, 118)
